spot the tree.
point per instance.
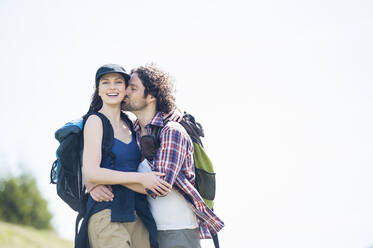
(21, 202)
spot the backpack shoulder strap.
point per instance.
(107, 135)
(156, 132)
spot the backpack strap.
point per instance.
(107, 136)
(156, 132)
(108, 132)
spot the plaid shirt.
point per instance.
(175, 158)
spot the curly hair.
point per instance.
(96, 102)
(158, 84)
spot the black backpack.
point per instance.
(66, 170)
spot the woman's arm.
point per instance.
(137, 187)
(93, 173)
(101, 192)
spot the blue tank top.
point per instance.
(127, 156)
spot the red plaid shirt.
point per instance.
(175, 158)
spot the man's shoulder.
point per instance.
(174, 134)
(176, 128)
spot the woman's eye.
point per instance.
(104, 82)
(119, 82)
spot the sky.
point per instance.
(283, 89)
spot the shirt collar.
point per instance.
(156, 121)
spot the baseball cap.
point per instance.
(111, 68)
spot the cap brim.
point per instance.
(125, 75)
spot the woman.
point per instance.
(115, 223)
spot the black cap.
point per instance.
(111, 68)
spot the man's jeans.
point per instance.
(183, 238)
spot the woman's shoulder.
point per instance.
(93, 119)
(92, 124)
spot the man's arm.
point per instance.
(104, 192)
(170, 157)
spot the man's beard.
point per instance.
(124, 106)
(128, 107)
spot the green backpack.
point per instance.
(205, 175)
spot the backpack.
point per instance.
(66, 171)
(205, 175)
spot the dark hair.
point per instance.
(158, 84)
(96, 102)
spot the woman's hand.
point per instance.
(175, 115)
(152, 182)
(102, 193)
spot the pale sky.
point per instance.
(283, 89)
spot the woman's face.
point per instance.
(112, 88)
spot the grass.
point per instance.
(16, 236)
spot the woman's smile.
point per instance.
(112, 95)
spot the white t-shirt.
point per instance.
(171, 212)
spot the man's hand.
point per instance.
(175, 115)
(102, 193)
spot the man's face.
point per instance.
(134, 99)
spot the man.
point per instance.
(182, 217)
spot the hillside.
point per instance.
(16, 236)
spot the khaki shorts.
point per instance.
(103, 233)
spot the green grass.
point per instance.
(16, 236)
